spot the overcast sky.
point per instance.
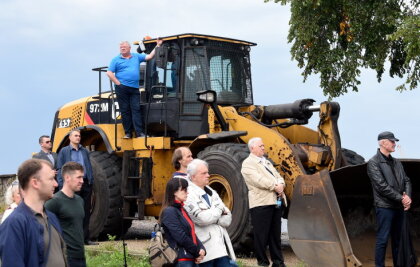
(49, 47)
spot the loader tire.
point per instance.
(225, 163)
(106, 198)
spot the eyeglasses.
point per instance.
(47, 142)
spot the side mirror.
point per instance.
(161, 56)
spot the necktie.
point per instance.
(269, 170)
(206, 198)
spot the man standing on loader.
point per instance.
(124, 72)
(391, 194)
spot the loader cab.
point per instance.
(184, 65)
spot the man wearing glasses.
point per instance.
(391, 195)
(45, 153)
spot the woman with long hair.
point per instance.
(178, 226)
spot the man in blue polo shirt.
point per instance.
(124, 72)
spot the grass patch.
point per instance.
(111, 254)
(301, 264)
(116, 258)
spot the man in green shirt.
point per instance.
(68, 207)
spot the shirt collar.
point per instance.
(121, 56)
(43, 214)
(389, 158)
(258, 159)
(200, 191)
(78, 147)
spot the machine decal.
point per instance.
(64, 123)
(88, 119)
(102, 111)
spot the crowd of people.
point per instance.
(47, 219)
(40, 228)
(46, 222)
(195, 219)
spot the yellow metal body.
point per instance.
(279, 143)
(293, 150)
(158, 148)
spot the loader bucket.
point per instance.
(354, 194)
(323, 201)
(316, 229)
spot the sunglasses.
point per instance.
(47, 142)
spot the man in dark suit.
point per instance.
(77, 153)
(45, 153)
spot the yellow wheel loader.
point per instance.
(197, 92)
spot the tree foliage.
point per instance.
(338, 38)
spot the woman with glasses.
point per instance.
(12, 199)
(178, 226)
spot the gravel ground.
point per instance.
(139, 233)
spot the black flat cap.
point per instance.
(387, 135)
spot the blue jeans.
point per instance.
(389, 222)
(186, 264)
(129, 105)
(219, 262)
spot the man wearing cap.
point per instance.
(391, 194)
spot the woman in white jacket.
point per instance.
(210, 216)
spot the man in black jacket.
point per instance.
(391, 194)
(45, 153)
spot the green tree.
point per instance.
(338, 38)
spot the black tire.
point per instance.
(107, 201)
(225, 163)
(351, 158)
